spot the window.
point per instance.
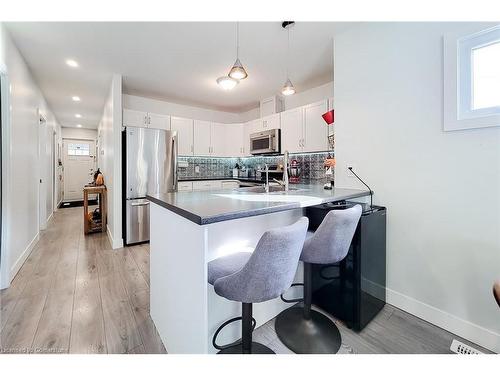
(486, 76)
(78, 149)
(478, 74)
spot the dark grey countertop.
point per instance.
(248, 179)
(206, 207)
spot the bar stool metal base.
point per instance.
(318, 335)
(256, 349)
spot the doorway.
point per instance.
(79, 166)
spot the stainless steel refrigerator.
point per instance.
(150, 168)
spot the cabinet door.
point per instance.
(292, 124)
(271, 122)
(247, 130)
(217, 137)
(156, 121)
(233, 139)
(185, 186)
(134, 118)
(201, 139)
(315, 128)
(184, 128)
(229, 185)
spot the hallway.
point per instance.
(74, 294)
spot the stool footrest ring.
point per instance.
(295, 299)
(227, 322)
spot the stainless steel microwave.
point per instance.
(266, 142)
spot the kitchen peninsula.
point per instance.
(188, 230)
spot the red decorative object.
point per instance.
(328, 117)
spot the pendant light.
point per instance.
(227, 83)
(238, 71)
(288, 88)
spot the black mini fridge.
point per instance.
(353, 290)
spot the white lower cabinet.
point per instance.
(229, 185)
(185, 186)
(207, 185)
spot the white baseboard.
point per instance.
(115, 243)
(458, 326)
(49, 218)
(22, 258)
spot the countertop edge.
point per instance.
(204, 220)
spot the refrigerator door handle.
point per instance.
(174, 161)
(139, 204)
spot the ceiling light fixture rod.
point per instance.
(237, 40)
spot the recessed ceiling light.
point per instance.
(78, 115)
(227, 83)
(79, 125)
(75, 98)
(72, 63)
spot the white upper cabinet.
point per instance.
(156, 121)
(184, 128)
(142, 119)
(202, 132)
(315, 128)
(303, 129)
(292, 130)
(234, 139)
(218, 139)
(271, 122)
(137, 119)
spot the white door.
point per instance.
(156, 121)
(292, 124)
(315, 128)
(184, 128)
(202, 131)
(79, 164)
(134, 118)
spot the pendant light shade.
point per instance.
(288, 88)
(238, 71)
(227, 83)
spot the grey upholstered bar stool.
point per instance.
(257, 277)
(301, 329)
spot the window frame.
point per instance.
(465, 47)
(452, 121)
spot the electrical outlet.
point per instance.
(461, 348)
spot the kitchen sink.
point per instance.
(272, 189)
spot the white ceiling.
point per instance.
(173, 61)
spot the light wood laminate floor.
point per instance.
(74, 294)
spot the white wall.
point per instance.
(20, 190)
(79, 133)
(441, 189)
(109, 160)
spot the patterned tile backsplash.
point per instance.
(311, 165)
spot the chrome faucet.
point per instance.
(284, 182)
(285, 171)
(267, 177)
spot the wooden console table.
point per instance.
(90, 226)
